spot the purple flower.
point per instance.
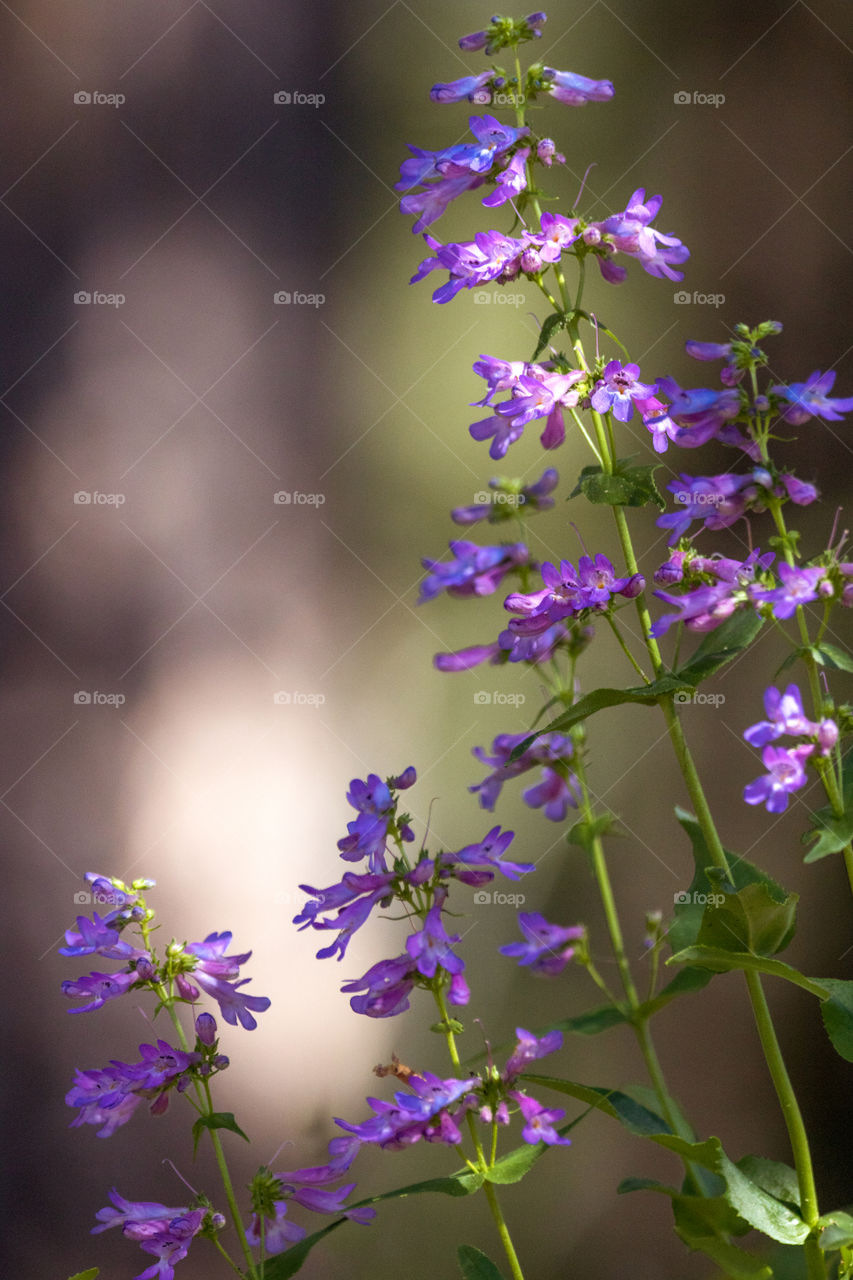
(658, 421)
(539, 394)
(103, 1100)
(709, 350)
(630, 233)
(537, 648)
(431, 947)
(707, 606)
(511, 181)
(484, 859)
(132, 1211)
(98, 937)
(575, 90)
(785, 773)
(545, 949)
(99, 988)
(470, 263)
(473, 570)
(474, 88)
(278, 1233)
(465, 659)
(423, 1113)
(810, 399)
(212, 969)
(530, 1049)
(386, 986)
(784, 715)
(619, 388)
(354, 898)
(799, 586)
(718, 501)
(205, 1029)
(540, 1121)
(568, 592)
(558, 789)
(168, 1240)
(700, 414)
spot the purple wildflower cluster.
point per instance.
(166, 1233)
(570, 592)
(473, 571)
(785, 765)
(109, 1097)
(555, 793)
(422, 888)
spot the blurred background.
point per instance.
(156, 597)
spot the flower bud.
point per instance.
(205, 1028)
(827, 736)
(146, 970)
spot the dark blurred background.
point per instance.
(183, 397)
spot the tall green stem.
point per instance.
(488, 1187)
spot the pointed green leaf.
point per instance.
(648, 1098)
(837, 1014)
(831, 834)
(684, 982)
(703, 1225)
(637, 1119)
(598, 700)
(625, 486)
(553, 323)
(475, 1265)
(721, 645)
(591, 1023)
(91, 1274)
(834, 657)
(643, 1184)
(749, 920)
(779, 1179)
(722, 961)
(284, 1265)
(216, 1120)
(755, 1205)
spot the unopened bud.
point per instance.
(205, 1028)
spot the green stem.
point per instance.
(627, 652)
(491, 1195)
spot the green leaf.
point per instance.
(647, 1097)
(91, 1274)
(837, 1014)
(749, 920)
(553, 323)
(475, 1265)
(834, 657)
(755, 1205)
(637, 1119)
(703, 1224)
(591, 1023)
(643, 1184)
(285, 1265)
(216, 1120)
(837, 1229)
(516, 1164)
(779, 1179)
(707, 880)
(598, 700)
(831, 834)
(583, 833)
(721, 645)
(721, 960)
(625, 486)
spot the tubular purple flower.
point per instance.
(810, 399)
(540, 1121)
(545, 949)
(473, 571)
(618, 388)
(466, 659)
(784, 715)
(101, 987)
(474, 88)
(785, 773)
(205, 1028)
(574, 90)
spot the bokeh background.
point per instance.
(183, 589)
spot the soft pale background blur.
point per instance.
(198, 597)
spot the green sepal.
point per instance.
(216, 1120)
(475, 1265)
(836, 1229)
(625, 486)
(720, 646)
(451, 1024)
